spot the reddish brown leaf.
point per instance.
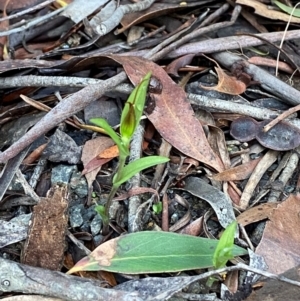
(256, 214)
(172, 115)
(173, 67)
(90, 151)
(240, 172)
(109, 153)
(280, 243)
(227, 84)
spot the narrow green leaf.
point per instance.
(128, 124)
(287, 9)
(138, 165)
(136, 101)
(152, 252)
(110, 131)
(100, 209)
(223, 251)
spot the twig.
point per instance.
(27, 188)
(38, 170)
(70, 106)
(281, 117)
(202, 31)
(285, 176)
(108, 25)
(9, 171)
(31, 23)
(134, 201)
(30, 280)
(283, 36)
(211, 104)
(180, 283)
(268, 159)
(78, 243)
(229, 43)
(28, 10)
(47, 81)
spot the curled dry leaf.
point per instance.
(227, 84)
(218, 200)
(281, 137)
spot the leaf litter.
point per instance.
(229, 176)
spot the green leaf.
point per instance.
(157, 207)
(287, 9)
(224, 249)
(136, 166)
(128, 124)
(152, 252)
(110, 131)
(100, 209)
(133, 108)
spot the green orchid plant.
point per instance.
(223, 251)
(130, 119)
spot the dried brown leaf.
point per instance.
(256, 214)
(227, 84)
(280, 243)
(263, 10)
(172, 115)
(240, 172)
(90, 151)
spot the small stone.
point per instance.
(98, 239)
(62, 173)
(96, 225)
(79, 184)
(75, 216)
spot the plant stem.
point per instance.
(122, 160)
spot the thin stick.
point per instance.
(28, 10)
(281, 117)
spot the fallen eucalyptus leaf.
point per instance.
(152, 252)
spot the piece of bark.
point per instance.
(46, 242)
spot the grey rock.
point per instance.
(62, 148)
(79, 184)
(15, 230)
(75, 215)
(103, 109)
(62, 173)
(96, 225)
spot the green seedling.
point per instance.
(130, 119)
(223, 251)
(157, 207)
